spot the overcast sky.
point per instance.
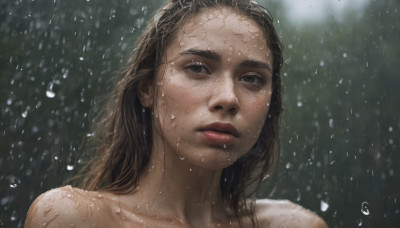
(313, 11)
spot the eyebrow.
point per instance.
(250, 63)
(203, 53)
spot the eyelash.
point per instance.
(191, 67)
(255, 76)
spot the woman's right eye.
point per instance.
(197, 68)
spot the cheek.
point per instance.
(175, 101)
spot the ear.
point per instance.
(146, 93)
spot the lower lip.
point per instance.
(218, 137)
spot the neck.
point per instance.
(173, 188)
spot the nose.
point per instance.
(224, 98)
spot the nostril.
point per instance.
(218, 107)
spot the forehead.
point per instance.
(222, 18)
(217, 28)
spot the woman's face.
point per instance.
(213, 89)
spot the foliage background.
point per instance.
(340, 133)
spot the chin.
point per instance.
(217, 159)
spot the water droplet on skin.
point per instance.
(364, 208)
(173, 117)
(69, 196)
(50, 94)
(182, 158)
(224, 146)
(324, 206)
(118, 210)
(162, 94)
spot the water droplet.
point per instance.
(118, 210)
(9, 101)
(324, 206)
(290, 46)
(14, 181)
(390, 129)
(359, 222)
(182, 158)
(81, 58)
(364, 208)
(299, 104)
(173, 117)
(224, 146)
(25, 114)
(69, 196)
(288, 165)
(331, 123)
(321, 63)
(13, 216)
(50, 94)
(70, 167)
(345, 55)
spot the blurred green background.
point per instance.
(340, 129)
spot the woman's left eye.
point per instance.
(252, 79)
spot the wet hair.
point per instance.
(124, 131)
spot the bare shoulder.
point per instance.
(283, 213)
(66, 207)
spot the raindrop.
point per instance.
(290, 46)
(81, 58)
(331, 123)
(9, 101)
(13, 216)
(390, 129)
(324, 206)
(14, 181)
(344, 55)
(50, 94)
(25, 114)
(288, 165)
(70, 167)
(299, 104)
(359, 222)
(321, 63)
(364, 208)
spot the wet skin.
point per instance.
(209, 101)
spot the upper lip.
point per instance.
(221, 127)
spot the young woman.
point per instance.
(191, 130)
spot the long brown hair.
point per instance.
(124, 131)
